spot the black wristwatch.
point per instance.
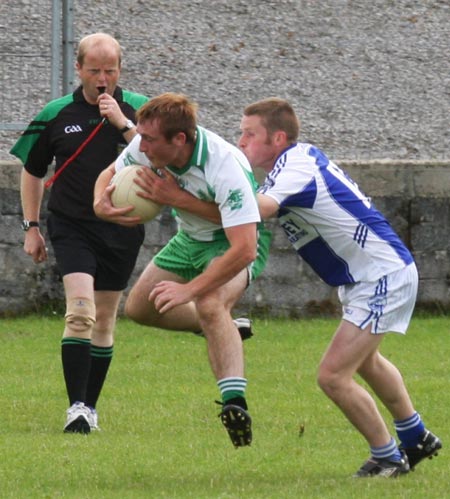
(27, 224)
(128, 126)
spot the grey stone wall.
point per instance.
(368, 80)
(413, 195)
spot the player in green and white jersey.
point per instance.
(195, 280)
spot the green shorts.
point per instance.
(188, 258)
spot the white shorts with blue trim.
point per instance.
(386, 304)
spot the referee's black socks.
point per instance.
(76, 361)
(100, 360)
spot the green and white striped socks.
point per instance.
(232, 388)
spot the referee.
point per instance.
(82, 132)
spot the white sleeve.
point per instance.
(131, 155)
(234, 193)
(287, 179)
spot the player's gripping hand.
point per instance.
(159, 186)
(168, 294)
(105, 210)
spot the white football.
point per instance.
(125, 194)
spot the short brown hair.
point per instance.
(175, 112)
(276, 114)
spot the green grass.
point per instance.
(161, 437)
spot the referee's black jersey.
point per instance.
(57, 132)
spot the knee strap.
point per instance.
(80, 315)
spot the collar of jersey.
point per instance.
(199, 156)
(284, 151)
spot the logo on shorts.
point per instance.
(234, 200)
(377, 304)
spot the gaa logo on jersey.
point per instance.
(72, 129)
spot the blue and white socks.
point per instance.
(409, 430)
(389, 451)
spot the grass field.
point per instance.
(161, 437)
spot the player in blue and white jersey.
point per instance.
(335, 228)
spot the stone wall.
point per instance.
(413, 195)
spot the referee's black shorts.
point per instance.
(106, 251)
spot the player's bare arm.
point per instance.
(163, 188)
(242, 251)
(268, 207)
(103, 206)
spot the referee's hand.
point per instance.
(34, 245)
